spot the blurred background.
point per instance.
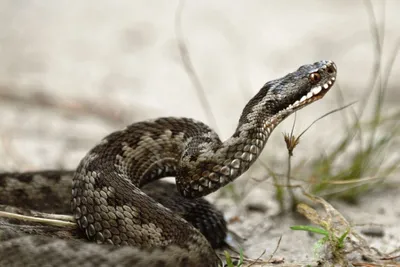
(73, 71)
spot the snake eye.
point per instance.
(315, 77)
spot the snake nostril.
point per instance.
(331, 69)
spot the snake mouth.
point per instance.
(314, 94)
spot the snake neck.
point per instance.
(208, 164)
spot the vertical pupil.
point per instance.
(315, 77)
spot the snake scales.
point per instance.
(107, 198)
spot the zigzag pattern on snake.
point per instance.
(107, 198)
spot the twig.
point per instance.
(323, 116)
(390, 64)
(276, 248)
(376, 76)
(291, 144)
(189, 68)
(258, 258)
(53, 220)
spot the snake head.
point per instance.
(279, 98)
(300, 88)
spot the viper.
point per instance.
(161, 225)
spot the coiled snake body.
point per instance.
(110, 207)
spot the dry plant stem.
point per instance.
(356, 181)
(258, 259)
(250, 261)
(382, 82)
(291, 143)
(365, 264)
(334, 222)
(391, 257)
(189, 68)
(390, 64)
(376, 72)
(326, 114)
(293, 200)
(276, 248)
(48, 221)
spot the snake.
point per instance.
(129, 226)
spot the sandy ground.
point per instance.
(73, 71)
